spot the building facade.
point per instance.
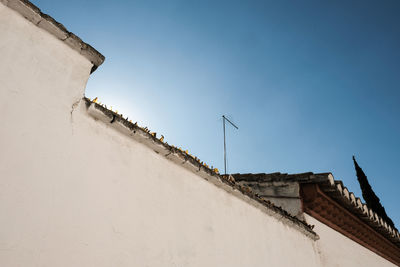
(82, 186)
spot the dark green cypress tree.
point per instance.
(369, 196)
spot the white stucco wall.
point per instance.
(76, 192)
(336, 250)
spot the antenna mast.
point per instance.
(223, 122)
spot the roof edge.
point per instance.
(32, 13)
(336, 190)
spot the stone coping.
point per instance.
(47, 23)
(183, 158)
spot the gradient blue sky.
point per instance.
(309, 83)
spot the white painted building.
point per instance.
(81, 186)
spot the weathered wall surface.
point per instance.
(337, 250)
(283, 194)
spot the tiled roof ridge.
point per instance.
(342, 194)
(337, 191)
(47, 23)
(113, 117)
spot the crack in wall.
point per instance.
(73, 108)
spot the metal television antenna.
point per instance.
(223, 122)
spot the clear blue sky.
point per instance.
(309, 83)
